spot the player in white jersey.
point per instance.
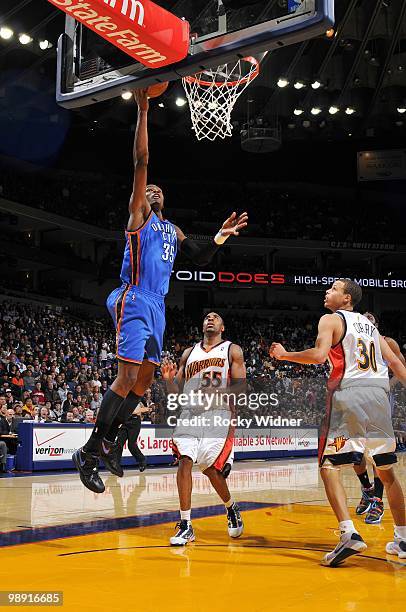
(358, 411)
(371, 502)
(205, 433)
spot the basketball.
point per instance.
(154, 91)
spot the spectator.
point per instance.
(96, 402)
(89, 416)
(51, 394)
(56, 412)
(67, 405)
(38, 393)
(28, 409)
(44, 416)
(29, 379)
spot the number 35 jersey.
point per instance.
(149, 255)
(357, 360)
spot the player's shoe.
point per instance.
(375, 513)
(351, 543)
(184, 534)
(111, 456)
(235, 522)
(87, 466)
(142, 465)
(365, 501)
(397, 547)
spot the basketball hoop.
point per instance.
(212, 95)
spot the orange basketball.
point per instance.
(157, 90)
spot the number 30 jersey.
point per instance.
(149, 255)
(357, 359)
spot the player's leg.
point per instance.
(396, 502)
(376, 511)
(86, 459)
(351, 543)
(367, 488)
(219, 484)
(184, 527)
(110, 452)
(214, 454)
(129, 318)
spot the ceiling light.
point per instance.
(6, 33)
(349, 110)
(402, 110)
(298, 112)
(283, 82)
(161, 105)
(180, 102)
(316, 84)
(44, 44)
(126, 95)
(330, 33)
(299, 85)
(315, 110)
(333, 110)
(24, 39)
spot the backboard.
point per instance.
(91, 70)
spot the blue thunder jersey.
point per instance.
(149, 255)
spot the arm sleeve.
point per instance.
(200, 255)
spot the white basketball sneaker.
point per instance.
(397, 547)
(184, 534)
(351, 543)
(235, 522)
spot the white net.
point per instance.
(212, 95)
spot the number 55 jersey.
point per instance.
(137, 307)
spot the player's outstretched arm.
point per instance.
(393, 361)
(238, 370)
(175, 377)
(202, 255)
(138, 206)
(328, 325)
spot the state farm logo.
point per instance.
(109, 27)
(50, 450)
(136, 7)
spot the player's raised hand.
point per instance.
(234, 223)
(168, 369)
(141, 98)
(277, 351)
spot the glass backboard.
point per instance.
(91, 69)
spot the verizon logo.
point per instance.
(136, 7)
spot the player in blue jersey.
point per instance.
(371, 502)
(137, 307)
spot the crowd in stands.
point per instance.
(287, 214)
(56, 367)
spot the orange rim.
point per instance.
(195, 78)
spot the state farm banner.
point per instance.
(142, 29)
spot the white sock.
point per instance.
(400, 532)
(229, 503)
(185, 515)
(346, 527)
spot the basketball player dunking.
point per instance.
(137, 307)
(371, 502)
(213, 365)
(358, 418)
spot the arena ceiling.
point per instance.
(361, 71)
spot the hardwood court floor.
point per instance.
(111, 551)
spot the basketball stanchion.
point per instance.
(212, 95)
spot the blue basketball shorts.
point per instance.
(139, 319)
